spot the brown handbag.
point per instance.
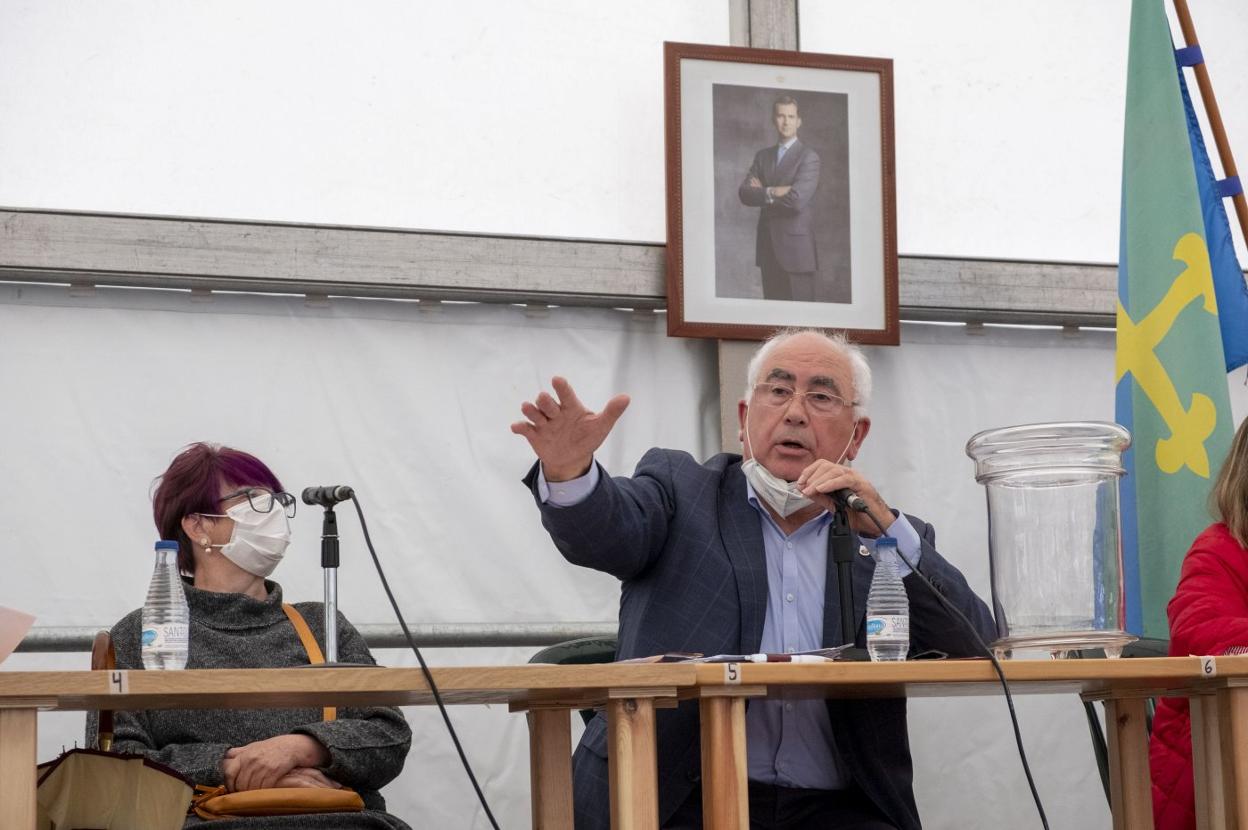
(217, 802)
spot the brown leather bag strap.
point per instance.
(104, 658)
(315, 657)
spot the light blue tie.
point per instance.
(780, 154)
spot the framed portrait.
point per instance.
(781, 202)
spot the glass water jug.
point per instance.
(1054, 539)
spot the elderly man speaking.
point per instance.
(730, 556)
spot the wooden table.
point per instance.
(1218, 688)
(1220, 750)
(631, 693)
(547, 693)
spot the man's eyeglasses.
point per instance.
(262, 499)
(819, 401)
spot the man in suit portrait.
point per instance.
(729, 556)
(782, 183)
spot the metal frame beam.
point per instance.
(83, 249)
(75, 638)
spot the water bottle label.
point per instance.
(888, 625)
(167, 636)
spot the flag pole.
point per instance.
(1215, 115)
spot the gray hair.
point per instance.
(838, 342)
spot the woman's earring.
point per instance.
(204, 544)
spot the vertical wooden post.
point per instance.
(1130, 789)
(1215, 115)
(632, 764)
(550, 768)
(1207, 763)
(773, 24)
(1232, 705)
(725, 803)
(17, 768)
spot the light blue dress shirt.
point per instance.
(788, 738)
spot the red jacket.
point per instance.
(1208, 615)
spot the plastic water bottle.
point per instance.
(888, 607)
(166, 617)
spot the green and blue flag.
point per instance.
(1182, 322)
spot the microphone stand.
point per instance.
(841, 551)
(329, 561)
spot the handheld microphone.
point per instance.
(327, 496)
(844, 495)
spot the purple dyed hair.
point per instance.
(194, 483)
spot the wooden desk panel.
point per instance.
(287, 688)
(632, 691)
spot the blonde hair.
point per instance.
(1229, 498)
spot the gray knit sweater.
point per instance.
(367, 746)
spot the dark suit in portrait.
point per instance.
(782, 182)
(782, 221)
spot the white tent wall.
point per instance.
(1010, 115)
(540, 117)
(412, 407)
(545, 117)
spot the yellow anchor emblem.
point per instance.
(1136, 342)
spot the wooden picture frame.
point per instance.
(757, 239)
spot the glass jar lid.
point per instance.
(1028, 448)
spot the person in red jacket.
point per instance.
(1208, 616)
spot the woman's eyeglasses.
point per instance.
(262, 499)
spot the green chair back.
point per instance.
(578, 652)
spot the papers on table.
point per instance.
(13, 627)
(818, 655)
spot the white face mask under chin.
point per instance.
(782, 496)
(259, 540)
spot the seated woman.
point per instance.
(1208, 616)
(229, 514)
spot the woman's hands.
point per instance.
(308, 777)
(264, 763)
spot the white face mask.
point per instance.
(782, 496)
(259, 539)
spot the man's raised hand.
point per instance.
(565, 434)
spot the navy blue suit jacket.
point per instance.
(688, 548)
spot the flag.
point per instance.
(1171, 370)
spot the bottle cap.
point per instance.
(165, 544)
(888, 541)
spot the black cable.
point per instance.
(437, 697)
(1009, 700)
